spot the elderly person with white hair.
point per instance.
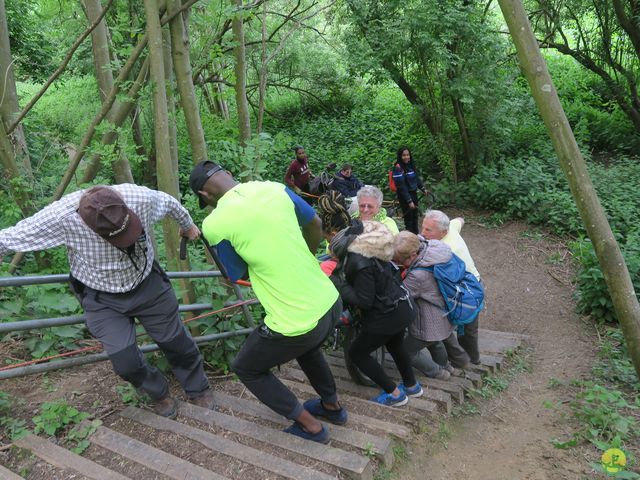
(369, 200)
(437, 226)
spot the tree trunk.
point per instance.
(12, 176)
(100, 48)
(595, 221)
(171, 101)
(167, 172)
(104, 77)
(9, 108)
(244, 121)
(262, 88)
(182, 66)
(464, 137)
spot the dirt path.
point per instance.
(528, 292)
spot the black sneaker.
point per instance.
(166, 407)
(316, 408)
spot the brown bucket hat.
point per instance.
(104, 211)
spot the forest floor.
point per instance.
(506, 436)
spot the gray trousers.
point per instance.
(422, 356)
(110, 319)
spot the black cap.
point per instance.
(199, 176)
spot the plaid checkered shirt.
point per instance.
(93, 260)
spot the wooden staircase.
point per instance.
(245, 440)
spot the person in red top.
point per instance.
(298, 174)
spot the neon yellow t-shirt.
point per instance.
(260, 221)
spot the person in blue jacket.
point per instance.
(346, 182)
(407, 183)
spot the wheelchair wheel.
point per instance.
(350, 334)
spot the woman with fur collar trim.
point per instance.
(367, 279)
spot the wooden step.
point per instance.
(352, 464)
(442, 399)
(418, 404)
(494, 362)
(248, 407)
(408, 416)
(65, 459)
(455, 390)
(151, 457)
(521, 337)
(6, 474)
(218, 443)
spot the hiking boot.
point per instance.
(449, 368)
(204, 399)
(296, 429)
(166, 407)
(316, 408)
(443, 374)
(414, 392)
(389, 400)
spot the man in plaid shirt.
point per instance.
(116, 278)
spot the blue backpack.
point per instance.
(462, 292)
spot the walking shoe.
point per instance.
(443, 374)
(166, 407)
(389, 400)
(204, 399)
(316, 408)
(415, 391)
(296, 429)
(449, 368)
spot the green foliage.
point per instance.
(14, 427)
(604, 408)
(614, 364)
(54, 416)
(366, 137)
(604, 417)
(31, 49)
(129, 395)
(535, 190)
(78, 437)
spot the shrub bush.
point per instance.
(535, 190)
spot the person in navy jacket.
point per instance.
(346, 182)
(407, 183)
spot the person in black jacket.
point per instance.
(346, 182)
(407, 183)
(367, 279)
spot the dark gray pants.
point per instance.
(265, 349)
(110, 318)
(469, 341)
(456, 354)
(422, 355)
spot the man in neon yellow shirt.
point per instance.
(265, 231)
(437, 226)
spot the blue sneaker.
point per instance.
(296, 429)
(414, 392)
(389, 400)
(316, 408)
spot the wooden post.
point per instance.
(616, 274)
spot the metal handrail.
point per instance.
(64, 278)
(16, 281)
